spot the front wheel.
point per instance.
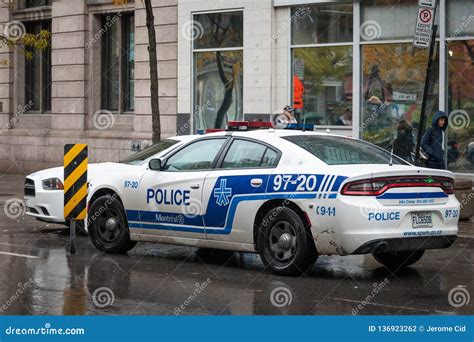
(284, 245)
(397, 260)
(108, 228)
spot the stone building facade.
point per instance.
(92, 86)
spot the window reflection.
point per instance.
(392, 91)
(218, 88)
(326, 74)
(461, 105)
(218, 73)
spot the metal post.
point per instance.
(429, 69)
(72, 235)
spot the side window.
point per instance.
(270, 158)
(195, 157)
(248, 154)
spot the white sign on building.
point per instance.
(424, 27)
(427, 3)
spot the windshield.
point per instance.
(340, 150)
(140, 157)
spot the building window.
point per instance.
(393, 75)
(37, 3)
(218, 69)
(460, 87)
(321, 38)
(118, 60)
(393, 79)
(38, 72)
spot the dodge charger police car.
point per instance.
(287, 195)
(284, 194)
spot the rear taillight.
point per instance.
(448, 185)
(377, 186)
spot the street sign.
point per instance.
(424, 27)
(75, 181)
(427, 3)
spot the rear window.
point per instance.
(140, 157)
(340, 150)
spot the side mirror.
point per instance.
(155, 165)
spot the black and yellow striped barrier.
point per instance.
(75, 186)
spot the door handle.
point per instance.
(195, 186)
(256, 182)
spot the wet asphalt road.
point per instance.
(38, 276)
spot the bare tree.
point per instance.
(155, 105)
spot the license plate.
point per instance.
(422, 220)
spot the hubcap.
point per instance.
(108, 225)
(111, 224)
(282, 241)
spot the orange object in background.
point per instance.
(298, 91)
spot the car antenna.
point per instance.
(391, 152)
(304, 121)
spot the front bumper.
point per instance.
(45, 205)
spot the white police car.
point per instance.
(287, 195)
(44, 196)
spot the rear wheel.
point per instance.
(108, 227)
(284, 245)
(397, 260)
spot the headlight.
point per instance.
(53, 184)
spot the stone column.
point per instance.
(166, 19)
(69, 65)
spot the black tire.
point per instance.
(284, 245)
(398, 260)
(108, 228)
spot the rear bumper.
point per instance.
(406, 244)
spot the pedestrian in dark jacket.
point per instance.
(403, 144)
(434, 140)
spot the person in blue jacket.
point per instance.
(433, 141)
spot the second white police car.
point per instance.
(287, 195)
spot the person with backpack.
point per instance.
(433, 141)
